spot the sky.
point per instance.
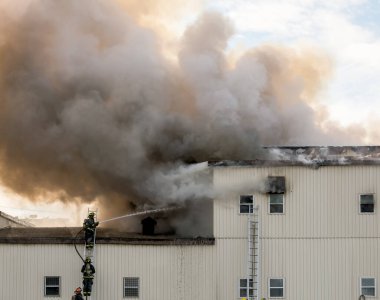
(347, 31)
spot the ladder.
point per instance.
(90, 252)
(253, 258)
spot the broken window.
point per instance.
(52, 286)
(246, 204)
(131, 287)
(276, 185)
(367, 203)
(276, 203)
(368, 286)
(276, 189)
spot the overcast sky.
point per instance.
(347, 30)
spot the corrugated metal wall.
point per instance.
(321, 245)
(165, 272)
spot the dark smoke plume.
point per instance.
(91, 108)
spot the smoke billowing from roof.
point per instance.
(92, 107)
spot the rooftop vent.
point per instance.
(148, 225)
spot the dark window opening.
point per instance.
(52, 286)
(276, 185)
(131, 287)
(243, 288)
(246, 204)
(368, 286)
(367, 203)
(276, 287)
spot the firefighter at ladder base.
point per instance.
(89, 226)
(88, 271)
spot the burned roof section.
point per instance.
(311, 156)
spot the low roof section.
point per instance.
(69, 235)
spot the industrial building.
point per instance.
(309, 229)
(7, 221)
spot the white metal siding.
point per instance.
(321, 245)
(231, 266)
(165, 272)
(317, 269)
(320, 202)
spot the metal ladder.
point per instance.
(90, 253)
(253, 259)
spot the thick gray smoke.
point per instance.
(91, 108)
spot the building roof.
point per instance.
(67, 235)
(15, 220)
(310, 156)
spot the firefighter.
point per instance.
(89, 226)
(88, 271)
(77, 294)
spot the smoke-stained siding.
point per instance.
(321, 245)
(319, 203)
(165, 272)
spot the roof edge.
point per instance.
(290, 163)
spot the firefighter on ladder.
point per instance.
(89, 226)
(88, 271)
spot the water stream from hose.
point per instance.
(140, 213)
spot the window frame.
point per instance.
(283, 204)
(374, 204)
(130, 286)
(250, 205)
(46, 286)
(245, 288)
(283, 287)
(361, 286)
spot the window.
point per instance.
(243, 288)
(276, 203)
(367, 203)
(52, 286)
(276, 185)
(368, 286)
(276, 288)
(246, 204)
(131, 287)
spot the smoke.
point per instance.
(92, 108)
